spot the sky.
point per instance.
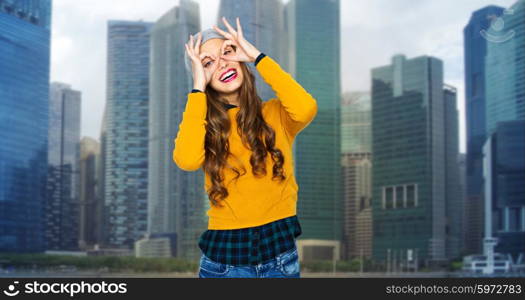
(372, 31)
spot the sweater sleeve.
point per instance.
(298, 107)
(189, 151)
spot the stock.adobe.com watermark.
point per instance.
(34, 287)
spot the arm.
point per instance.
(298, 107)
(189, 150)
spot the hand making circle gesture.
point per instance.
(201, 76)
(244, 50)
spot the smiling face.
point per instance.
(228, 76)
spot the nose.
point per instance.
(222, 62)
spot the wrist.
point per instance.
(254, 58)
(259, 58)
(199, 87)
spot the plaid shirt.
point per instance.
(252, 245)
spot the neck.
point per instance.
(232, 98)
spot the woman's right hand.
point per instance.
(201, 75)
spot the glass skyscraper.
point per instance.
(475, 51)
(24, 105)
(454, 201)
(176, 198)
(313, 32)
(126, 140)
(356, 160)
(62, 208)
(505, 112)
(408, 146)
(262, 22)
(504, 174)
(356, 135)
(91, 206)
(505, 69)
(101, 179)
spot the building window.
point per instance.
(506, 218)
(400, 196)
(362, 203)
(383, 199)
(411, 196)
(523, 218)
(514, 219)
(500, 219)
(389, 197)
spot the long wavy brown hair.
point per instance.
(255, 134)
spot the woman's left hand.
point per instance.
(245, 51)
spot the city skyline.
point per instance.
(78, 42)
(382, 169)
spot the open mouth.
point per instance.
(229, 75)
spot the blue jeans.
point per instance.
(284, 265)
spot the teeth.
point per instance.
(227, 75)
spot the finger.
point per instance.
(188, 51)
(230, 29)
(189, 42)
(228, 26)
(225, 34)
(225, 44)
(239, 28)
(191, 50)
(228, 58)
(197, 45)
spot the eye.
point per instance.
(230, 49)
(207, 63)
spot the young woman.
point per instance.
(244, 146)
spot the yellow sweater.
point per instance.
(251, 201)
